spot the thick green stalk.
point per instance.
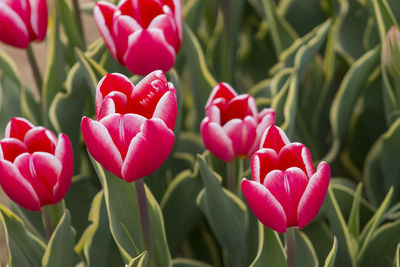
(231, 176)
(291, 247)
(35, 68)
(51, 215)
(78, 19)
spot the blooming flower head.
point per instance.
(142, 35)
(36, 167)
(133, 133)
(232, 126)
(22, 21)
(285, 190)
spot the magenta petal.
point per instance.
(101, 146)
(17, 128)
(216, 140)
(148, 50)
(167, 24)
(296, 155)
(40, 139)
(167, 109)
(222, 90)
(314, 195)
(122, 129)
(178, 17)
(274, 138)
(13, 30)
(17, 187)
(266, 118)
(103, 13)
(124, 26)
(148, 150)
(264, 205)
(11, 148)
(65, 155)
(242, 133)
(264, 161)
(39, 18)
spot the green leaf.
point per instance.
(96, 242)
(55, 71)
(346, 250)
(368, 231)
(201, 80)
(270, 249)
(9, 101)
(396, 262)
(354, 220)
(9, 68)
(140, 261)
(120, 197)
(70, 26)
(345, 99)
(382, 247)
(182, 262)
(305, 253)
(24, 248)
(181, 214)
(60, 250)
(321, 236)
(330, 259)
(225, 213)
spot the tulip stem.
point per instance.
(51, 215)
(231, 176)
(144, 216)
(291, 247)
(35, 68)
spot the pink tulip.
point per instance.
(285, 190)
(22, 21)
(133, 134)
(142, 35)
(232, 126)
(36, 167)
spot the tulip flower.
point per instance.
(142, 35)
(285, 190)
(133, 134)
(36, 167)
(22, 21)
(232, 126)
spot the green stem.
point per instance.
(35, 68)
(51, 215)
(291, 247)
(231, 176)
(144, 216)
(78, 19)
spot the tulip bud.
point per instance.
(133, 134)
(142, 35)
(392, 56)
(232, 126)
(36, 167)
(285, 190)
(22, 21)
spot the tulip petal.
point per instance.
(264, 205)
(214, 114)
(242, 133)
(13, 30)
(148, 50)
(274, 138)
(11, 148)
(240, 107)
(40, 139)
(123, 27)
(296, 155)
(167, 23)
(111, 84)
(17, 187)
(216, 140)
(103, 13)
(122, 129)
(147, 94)
(167, 109)
(148, 150)
(287, 187)
(65, 155)
(177, 9)
(314, 195)
(39, 18)
(101, 146)
(146, 10)
(17, 128)
(266, 118)
(264, 161)
(222, 90)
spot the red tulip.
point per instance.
(285, 191)
(232, 126)
(133, 134)
(22, 21)
(142, 35)
(36, 167)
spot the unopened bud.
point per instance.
(392, 55)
